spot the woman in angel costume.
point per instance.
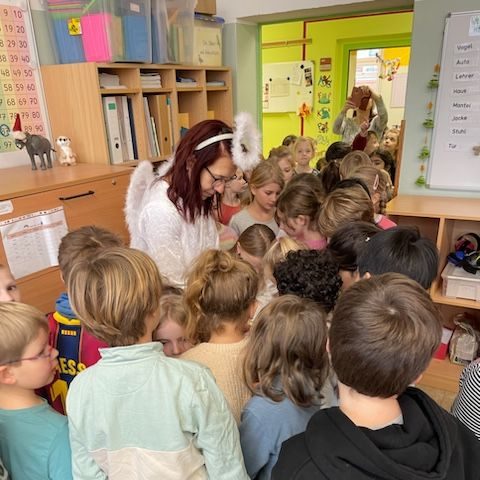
(170, 214)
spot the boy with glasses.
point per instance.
(33, 437)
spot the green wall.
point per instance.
(330, 38)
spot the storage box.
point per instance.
(207, 7)
(102, 30)
(207, 40)
(458, 283)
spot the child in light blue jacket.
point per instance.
(138, 414)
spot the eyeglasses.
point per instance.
(47, 353)
(217, 181)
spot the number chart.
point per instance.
(20, 83)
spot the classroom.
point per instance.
(168, 243)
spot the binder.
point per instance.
(132, 127)
(160, 113)
(113, 129)
(148, 124)
(126, 127)
(155, 137)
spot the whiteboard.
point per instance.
(20, 82)
(453, 163)
(287, 85)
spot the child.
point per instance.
(289, 140)
(172, 324)
(276, 254)
(265, 184)
(390, 141)
(310, 274)
(253, 244)
(336, 151)
(401, 250)
(345, 205)
(465, 407)
(77, 348)
(346, 245)
(384, 333)
(286, 365)
(33, 438)
(303, 153)
(297, 214)
(383, 160)
(230, 199)
(9, 291)
(137, 413)
(283, 157)
(376, 182)
(352, 161)
(220, 298)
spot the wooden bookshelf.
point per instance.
(75, 107)
(443, 220)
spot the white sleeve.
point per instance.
(161, 230)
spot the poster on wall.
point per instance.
(287, 87)
(20, 83)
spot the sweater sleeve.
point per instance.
(84, 466)
(216, 432)
(380, 120)
(338, 123)
(359, 142)
(60, 457)
(162, 232)
(256, 443)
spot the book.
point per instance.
(155, 138)
(148, 124)
(160, 112)
(125, 128)
(113, 129)
(132, 127)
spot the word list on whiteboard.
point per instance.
(20, 83)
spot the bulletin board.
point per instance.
(455, 154)
(20, 82)
(287, 86)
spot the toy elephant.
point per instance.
(37, 145)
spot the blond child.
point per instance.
(298, 209)
(352, 161)
(220, 297)
(34, 438)
(266, 183)
(172, 325)
(9, 291)
(286, 366)
(390, 141)
(303, 154)
(344, 205)
(283, 157)
(77, 348)
(376, 181)
(137, 413)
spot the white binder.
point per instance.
(113, 129)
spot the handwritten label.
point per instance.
(465, 76)
(465, 91)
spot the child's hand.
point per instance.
(364, 128)
(349, 105)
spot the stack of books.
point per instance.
(151, 80)
(109, 80)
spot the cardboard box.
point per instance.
(209, 7)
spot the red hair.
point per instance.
(185, 190)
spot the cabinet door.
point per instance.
(99, 202)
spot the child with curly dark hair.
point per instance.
(312, 274)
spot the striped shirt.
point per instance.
(467, 404)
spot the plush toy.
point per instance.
(66, 154)
(34, 144)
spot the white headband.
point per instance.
(245, 138)
(215, 139)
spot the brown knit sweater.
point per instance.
(225, 360)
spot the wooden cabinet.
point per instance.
(89, 195)
(75, 105)
(442, 219)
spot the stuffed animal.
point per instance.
(66, 154)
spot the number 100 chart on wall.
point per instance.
(18, 78)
